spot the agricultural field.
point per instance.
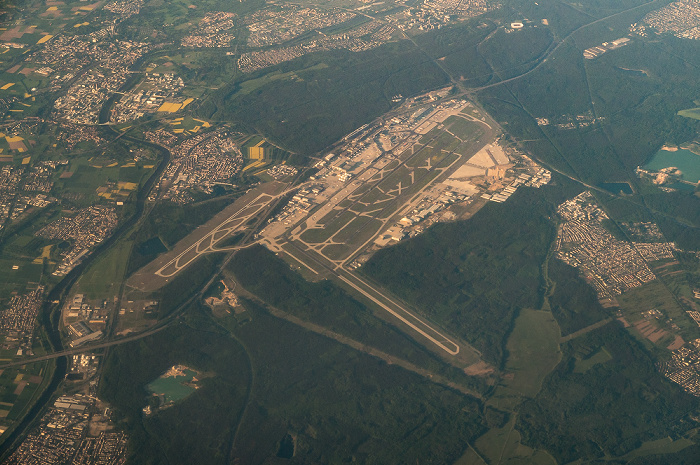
(20, 388)
(188, 125)
(17, 280)
(640, 306)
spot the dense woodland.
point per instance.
(269, 379)
(282, 384)
(611, 407)
(472, 277)
(324, 303)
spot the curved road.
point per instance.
(556, 47)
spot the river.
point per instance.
(51, 312)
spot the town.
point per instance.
(18, 320)
(684, 367)
(681, 19)
(210, 32)
(253, 61)
(198, 162)
(278, 25)
(91, 89)
(264, 31)
(87, 228)
(76, 429)
(432, 14)
(612, 266)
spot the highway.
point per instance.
(149, 332)
(85, 348)
(208, 243)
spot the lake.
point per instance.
(685, 160)
(617, 187)
(174, 388)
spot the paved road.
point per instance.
(362, 347)
(85, 348)
(585, 330)
(135, 337)
(352, 280)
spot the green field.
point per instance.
(27, 272)
(533, 352)
(463, 128)
(693, 113)
(331, 226)
(358, 231)
(337, 251)
(445, 142)
(585, 364)
(251, 85)
(90, 174)
(661, 446)
(104, 277)
(502, 445)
